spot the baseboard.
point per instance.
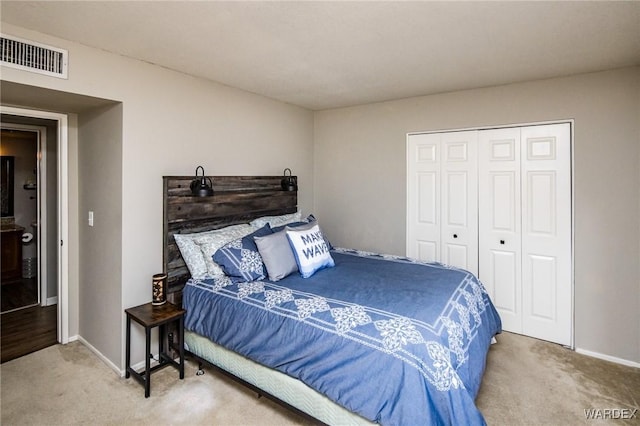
(609, 358)
(138, 367)
(101, 356)
(52, 301)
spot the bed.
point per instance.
(365, 338)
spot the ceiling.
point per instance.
(328, 54)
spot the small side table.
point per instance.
(150, 316)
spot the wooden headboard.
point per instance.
(236, 199)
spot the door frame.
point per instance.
(62, 207)
(571, 122)
(41, 232)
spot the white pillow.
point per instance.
(275, 221)
(191, 254)
(310, 249)
(211, 241)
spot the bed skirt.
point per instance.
(285, 388)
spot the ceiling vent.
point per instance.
(31, 56)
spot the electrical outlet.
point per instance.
(90, 218)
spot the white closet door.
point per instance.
(442, 198)
(525, 228)
(423, 197)
(459, 202)
(499, 222)
(546, 232)
(498, 203)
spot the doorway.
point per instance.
(21, 242)
(33, 322)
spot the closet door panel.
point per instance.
(503, 187)
(502, 273)
(541, 202)
(427, 189)
(542, 272)
(428, 214)
(426, 250)
(546, 233)
(423, 197)
(459, 230)
(499, 210)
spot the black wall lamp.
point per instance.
(289, 182)
(199, 185)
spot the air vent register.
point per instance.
(31, 56)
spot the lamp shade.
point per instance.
(199, 186)
(289, 182)
(159, 289)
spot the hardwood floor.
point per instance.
(19, 293)
(27, 330)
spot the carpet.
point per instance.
(533, 382)
(69, 385)
(527, 382)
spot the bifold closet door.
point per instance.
(442, 198)
(546, 232)
(499, 218)
(423, 197)
(525, 228)
(459, 200)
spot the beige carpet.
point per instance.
(532, 382)
(527, 382)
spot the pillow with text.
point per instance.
(309, 248)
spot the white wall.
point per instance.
(360, 178)
(171, 123)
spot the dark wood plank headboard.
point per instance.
(236, 199)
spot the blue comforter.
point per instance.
(397, 341)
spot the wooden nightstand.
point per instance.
(150, 316)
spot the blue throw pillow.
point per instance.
(310, 249)
(289, 225)
(240, 259)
